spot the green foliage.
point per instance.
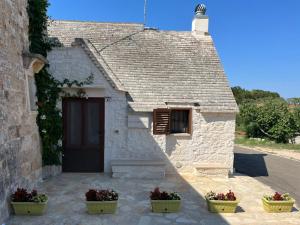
(70, 83)
(296, 114)
(229, 196)
(294, 101)
(101, 195)
(272, 119)
(22, 195)
(163, 195)
(242, 95)
(278, 197)
(265, 143)
(40, 198)
(38, 20)
(264, 114)
(49, 119)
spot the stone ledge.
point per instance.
(146, 169)
(211, 170)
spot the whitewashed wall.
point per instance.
(74, 64)
(129, 135)
(211, 141)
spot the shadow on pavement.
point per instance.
(250, 164)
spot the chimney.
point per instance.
(200, 21)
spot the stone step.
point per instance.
(146, 169)
(211, 169)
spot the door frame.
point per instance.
(100, 100)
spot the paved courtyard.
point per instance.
(67, 206)
(281, 174)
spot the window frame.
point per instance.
(167, 130)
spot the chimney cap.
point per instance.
(200, 10)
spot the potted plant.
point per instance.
(221, 203)
(28, 203)
(164, 202)
(101, 201)
(278, 202)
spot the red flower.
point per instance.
(277, 197)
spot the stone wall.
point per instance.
(20, 155)
(211, 142)
(130, 136)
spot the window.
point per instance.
(180, 121)
(172, 121)
(32, 93)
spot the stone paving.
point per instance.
(67, 206)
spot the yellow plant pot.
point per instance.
(278, 206)
(218, 206)
(165, 206)
(29, 208)
(101, 207)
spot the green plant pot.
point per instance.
(217, 206)
(101, 207)
(278, 206)
(29, 208)
(165, 206)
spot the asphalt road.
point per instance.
(281, 174)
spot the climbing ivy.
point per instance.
(37, 29)
(49, 90)
(49, 117)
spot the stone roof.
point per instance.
(155, 67)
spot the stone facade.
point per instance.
(211, 141)
(20, 155)
(129, 135)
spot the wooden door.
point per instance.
(83, 124)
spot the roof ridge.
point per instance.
(113, 79)
(98, 22)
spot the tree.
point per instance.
(270, 118)
(294, 101)
(242, 95)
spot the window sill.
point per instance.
(181, 135)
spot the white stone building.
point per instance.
(160, 101)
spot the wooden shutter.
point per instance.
(161, 121)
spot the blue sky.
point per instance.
(258, 40)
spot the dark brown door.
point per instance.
(83, 124)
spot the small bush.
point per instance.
(22, 195)
(221, 196)
(101, 195)
(278, 197)
(158, 195)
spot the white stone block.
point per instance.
(212, 170)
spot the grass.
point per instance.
(265, 144)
